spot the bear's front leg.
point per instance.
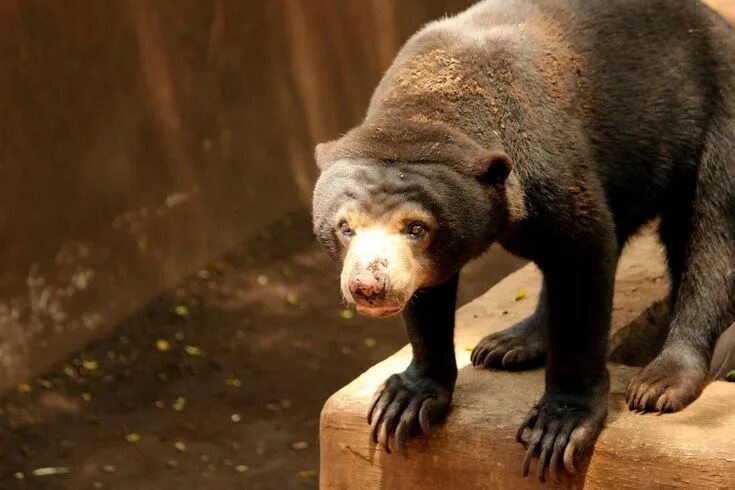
(571, 413)
(410, 402)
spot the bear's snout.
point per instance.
(369, 285)
(371, 290)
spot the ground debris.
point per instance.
(346, 314)
(181, 311)
(193, 350)
(292, 299)
(163, 345)
(132, 437)
(24, 388)
(50, 471)
(179, 404)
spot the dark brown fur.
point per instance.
(609, 113)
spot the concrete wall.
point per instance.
(139, 139)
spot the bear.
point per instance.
(557, 129)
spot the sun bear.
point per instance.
(556, 128)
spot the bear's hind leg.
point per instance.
(702, 260)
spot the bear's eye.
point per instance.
(416, 230)
(344, 228)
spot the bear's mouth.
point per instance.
(382, 311)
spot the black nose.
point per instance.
(368, 291)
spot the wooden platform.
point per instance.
(476, 449)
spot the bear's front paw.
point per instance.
(560, 429)
(406, 405)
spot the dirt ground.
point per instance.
(215, 384)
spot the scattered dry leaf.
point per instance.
(241, 468)
(346, 314)
(292, 299)
(24, 388)
(179, 404)
(180, 446)
(307, 474)
(163, 345)
(50, 471)
(217, 266)
(90, 365)
(193, 350)
(370, 343)
(132, 437)
(300, 445)
(181, 310)
(520, 295)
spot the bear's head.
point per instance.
(404, 207)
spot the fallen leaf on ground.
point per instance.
(132, 437)
(307, 474)
(24, 388)
(241, 468)
(300, 445)
(163, 345)
(90, 365)
(193, 350)
(179, 404)
(180, 446)
(181, 310)
(217, 266)
(520, 295)
(50, 470)
(346, 314)
(370, 342)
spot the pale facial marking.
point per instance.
(383, 262)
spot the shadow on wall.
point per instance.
(139, 140)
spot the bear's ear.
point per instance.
(493, 167)
(323, 154)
